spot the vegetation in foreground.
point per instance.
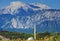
(17, 36)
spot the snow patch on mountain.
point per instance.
(25, 22)
(14, 6)
(42, 6)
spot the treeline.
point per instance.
(16, 35)
(48, 35)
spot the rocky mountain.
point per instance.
(21, 17)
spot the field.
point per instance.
(16, 36)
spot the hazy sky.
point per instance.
(52, 3)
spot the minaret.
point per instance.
(34, 32)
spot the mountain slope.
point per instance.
(21, 17)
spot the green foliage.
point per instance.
(42, 35)
(15, 35)
(0, 39)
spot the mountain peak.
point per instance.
(19, 16)
(14, 6)
(42, 6)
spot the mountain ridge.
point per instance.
(21, 19)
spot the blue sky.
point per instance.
(52, 3)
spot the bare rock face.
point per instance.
(21, 17)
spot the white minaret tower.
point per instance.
(34, 32)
